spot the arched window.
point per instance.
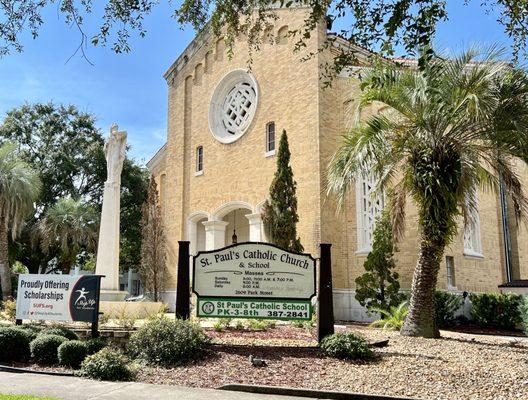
(270, 137)
(199, 160)
(472, 240)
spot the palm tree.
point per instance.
(69, 225)
(19, 189)
(451, 127)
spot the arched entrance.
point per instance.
(237, 224)
(196, 231)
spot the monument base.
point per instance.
(130, 309)
(113, 295)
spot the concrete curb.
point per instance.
(310, 393)
(5, 368)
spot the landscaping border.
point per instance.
(310, 393)
(6, 368)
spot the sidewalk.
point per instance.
(69, 388)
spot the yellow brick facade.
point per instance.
(236, 176)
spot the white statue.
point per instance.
(108, 247)
(114, 150)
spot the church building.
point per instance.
(215, 170)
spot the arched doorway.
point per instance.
(196, 231)
(237, 224)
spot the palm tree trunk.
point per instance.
(421, 318)
(5, 271)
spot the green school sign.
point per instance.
(254, 280)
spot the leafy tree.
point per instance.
(376, 24)
(280, 211)
(65, 145)
(379, 287)
(153, 267)
(19, 189)
(452, 127)
(67, 227)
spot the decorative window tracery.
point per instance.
(369, 206)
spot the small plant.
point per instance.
(9, 309)
(257, 325)
(44, 348)
(166, 342)
(393, 319)
(225, 322)
(107, 365)
(104, 318)
(347, 346)
(60, 331)
(499, 310)
(218, 327)
(94, 345)
(72, 353)
(239, 325)
(446, 305)
(125, 320)
(14, 344)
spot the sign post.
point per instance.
(59, 298)
(183, 306)
(254, 280)
(325, 311)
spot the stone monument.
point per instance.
(108, 247)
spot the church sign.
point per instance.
(58, 297)
(254, 280)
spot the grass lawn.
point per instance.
(23, 397)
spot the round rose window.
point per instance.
(233, 106)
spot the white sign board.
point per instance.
(58, 297)
(254, 270)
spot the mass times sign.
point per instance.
(58, 297)
(254, 280)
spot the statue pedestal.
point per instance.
(113, 295)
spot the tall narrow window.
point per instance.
(472, 242)
(450, 266)
(199, 159)
(369, 206)
(270, 137)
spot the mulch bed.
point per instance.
(478, 330)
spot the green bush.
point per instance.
(107, 365)
(497, 310)
(95, 344)
(347, 346)
(167, 342)
(31, 330)
(61, 331)
(14, 344)
(72, 353)
(523, 309)
(44, 348)
(446, 305)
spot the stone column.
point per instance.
(215, 234)
(108, 247)
(255, 227)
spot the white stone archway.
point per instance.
(196, 234)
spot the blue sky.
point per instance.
(129, 88)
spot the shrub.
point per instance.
(44, 348)
(14, 344)
(9, 309)
(523, 309)
(31, 330)
(347, 346)
(60, 331)
(94, 345)
(393, 319)
(166, 342)
(446, 305)
(72, 353)
(498, 310)
(107, 365)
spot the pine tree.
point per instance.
(378, 287)
(153, 268)
(280, 210)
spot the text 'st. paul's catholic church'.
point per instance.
(224, 125)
